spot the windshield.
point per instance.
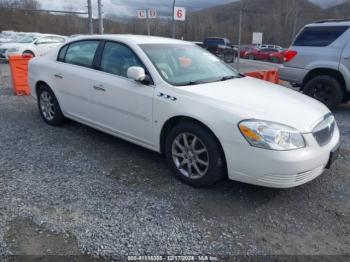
(184, 64)
(27, 40)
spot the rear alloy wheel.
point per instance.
(194, 155)
(325, 89)
(49, 108)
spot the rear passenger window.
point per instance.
(81, 53)
(117, 59)
(319, 36)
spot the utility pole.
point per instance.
(100, 17)
(148, 23)
(91, 23)
(296, 18)
(239, 38)
(174, 3)
(295, 25)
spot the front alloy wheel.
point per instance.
(195, 154)
(190, 156)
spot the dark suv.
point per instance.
(221, 47)
(319, 62)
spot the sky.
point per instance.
(128, 7)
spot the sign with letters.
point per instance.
(141, 14)
(152, 13)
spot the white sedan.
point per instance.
(34, 45)
(178, 99)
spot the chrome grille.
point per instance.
(323, 131)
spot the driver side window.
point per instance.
(117, 58)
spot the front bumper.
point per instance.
(279, 169)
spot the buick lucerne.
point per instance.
(178, 99)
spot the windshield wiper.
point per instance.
(192, 83)
(198, 82)
(225, 78)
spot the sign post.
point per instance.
(151, 14)
(178, 15)
(147, 14)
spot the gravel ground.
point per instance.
(73, 190)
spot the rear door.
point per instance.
(74, 76)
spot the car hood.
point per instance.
(250, 98)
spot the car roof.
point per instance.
(136, 39)
(45, 35)
(330, 23)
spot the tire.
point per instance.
(325, 89)
(48, 106)
(28, 53)
(209, 167)
(229, 59)
(346, 97)
(251, 57)
(275, 60)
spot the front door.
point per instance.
(120, 104)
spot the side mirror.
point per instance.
(138, 74)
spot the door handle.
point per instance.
(99, 88)
(347, 57)
(58, 76)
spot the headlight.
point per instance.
(13, 50)
(269, 135)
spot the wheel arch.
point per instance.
(41, 83)
(38, 85)
(173, 121)
(28, 51)
(324, 71)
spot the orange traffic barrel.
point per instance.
(19, 74)
(270, 76)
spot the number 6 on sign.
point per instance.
(179, 13)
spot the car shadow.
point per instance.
(150, 166)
